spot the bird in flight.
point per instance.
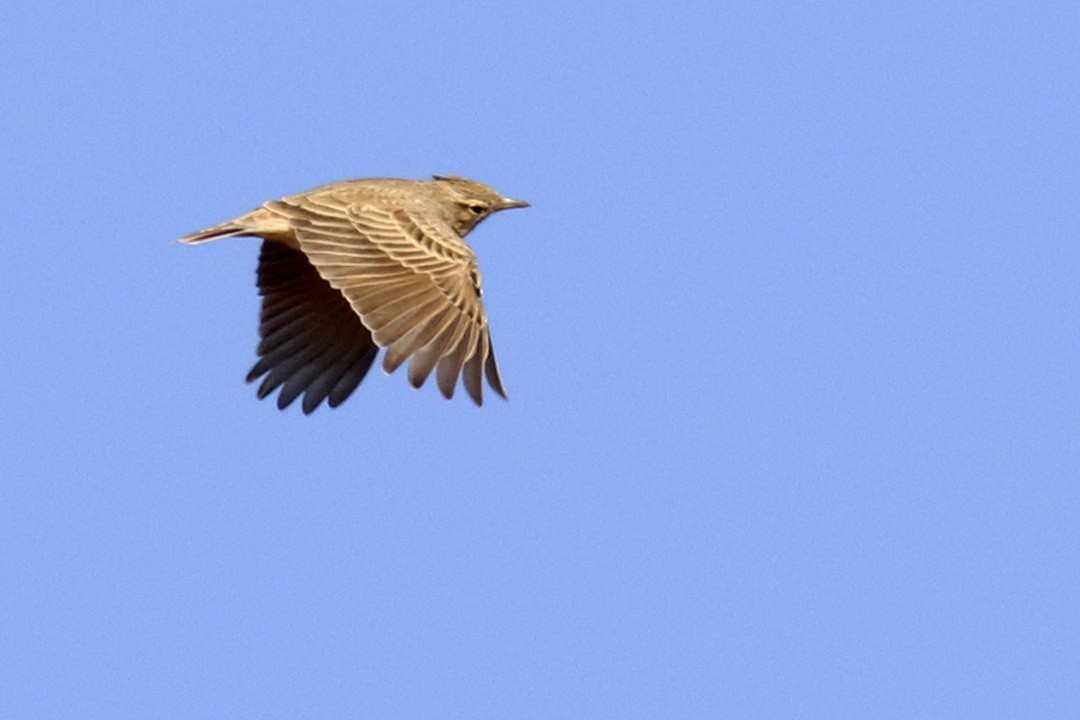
(353, 267)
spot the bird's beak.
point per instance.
(508, 203)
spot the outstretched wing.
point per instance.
(414, 283)
(312, 343)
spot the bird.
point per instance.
(352, 268)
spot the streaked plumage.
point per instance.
(354, 267)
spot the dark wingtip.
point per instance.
(491, 371)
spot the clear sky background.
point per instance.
(790, 334)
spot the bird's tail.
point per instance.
(229, 229)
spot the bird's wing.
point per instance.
(311, 343)
(414, 283)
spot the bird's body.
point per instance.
(348, 268)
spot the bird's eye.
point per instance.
(478, 209)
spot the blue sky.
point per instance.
(790, 336)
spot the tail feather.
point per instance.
(229, 229)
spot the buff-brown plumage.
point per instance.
(354, 267)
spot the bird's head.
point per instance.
(471, 201)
